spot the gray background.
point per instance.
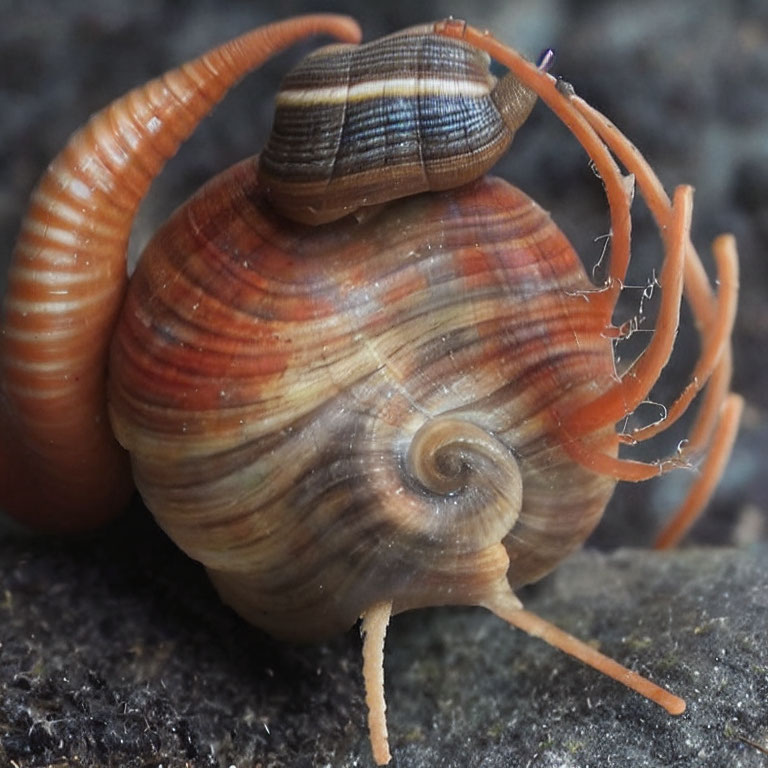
(686, 81)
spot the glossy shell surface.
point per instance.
(358, 125)
(273, 384)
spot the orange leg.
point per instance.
(697, 289)
(709, 410)
(714, 319)
(374, 630)
(715, 341)
(634, 386)
(709, 475)
(506, 606)
(537, 627)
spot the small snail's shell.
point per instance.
(329, 418)
(361, 125)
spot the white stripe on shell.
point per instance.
(397, 87)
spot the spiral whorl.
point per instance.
(475, 478)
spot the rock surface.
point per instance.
(115, 651)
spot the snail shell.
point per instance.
(358, 125)
(330, 418)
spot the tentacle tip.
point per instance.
(382, 757)
(735, 403)
(683, 195)
(674, 705)
(726, 240)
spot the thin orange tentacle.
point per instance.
(716, 338)
(709, 475)
(60, 467)
(713, 318)
(707, 422)
(707, 417)
(718, 389)
(638, 381)
(617, 191)
(537, 627)
(698, 291)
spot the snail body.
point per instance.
(361, 125)
(406, 408)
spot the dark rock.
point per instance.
(115, 651)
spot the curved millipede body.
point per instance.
(60, 467)
(406, 407)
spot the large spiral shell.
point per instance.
(327, 421)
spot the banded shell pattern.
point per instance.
(411, 406)
(277, 392)
(358, 125)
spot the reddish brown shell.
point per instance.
(269, 381)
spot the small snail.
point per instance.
(410, 406)
(360, 125)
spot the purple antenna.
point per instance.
(545, 60)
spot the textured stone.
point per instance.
(114, 651)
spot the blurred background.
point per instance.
(686, 81)
(115, 644)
